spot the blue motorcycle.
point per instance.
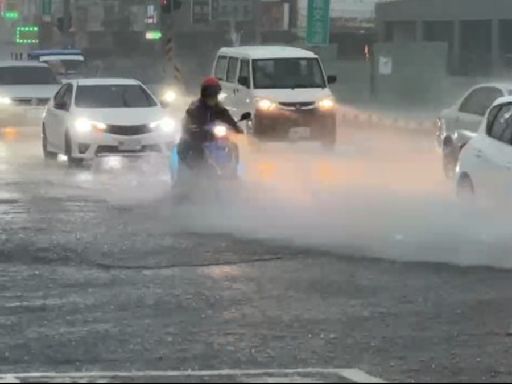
(220, 160)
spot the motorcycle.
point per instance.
(220, 160)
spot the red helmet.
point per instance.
(210, 87)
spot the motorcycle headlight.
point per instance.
(166, 125)
(83, 125)
(440, 125)
(222, 96)
(326, 104)
(265, 105)
(220, 130)
(4, 100)
(169, 96)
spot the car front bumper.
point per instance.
(88, 147)
(280, 125)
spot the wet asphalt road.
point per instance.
(95, 277)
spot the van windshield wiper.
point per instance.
(298, 86)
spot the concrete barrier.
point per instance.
(365, 119)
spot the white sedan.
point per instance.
(96, 117)
(485, 163)
(457, 124)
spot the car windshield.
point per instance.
(113, 96)
(26, 75)
(288, 73)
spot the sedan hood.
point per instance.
(29, 91)
(122, 116)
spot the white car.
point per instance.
(285, 89)
(457, 124)
(26, 87)
(485, 163)
(96, 117)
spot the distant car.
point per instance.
(26, 87)
(485, 163)
(96, 117)
(67, 64)
(456, 125)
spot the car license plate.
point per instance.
(130, 145)
(299, 133)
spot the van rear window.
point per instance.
(26, 75)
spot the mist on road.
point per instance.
(377, 195)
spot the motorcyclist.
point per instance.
(207, 109)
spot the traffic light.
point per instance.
(64, 24)
(168, 6)
(60, 24)
(176, 5)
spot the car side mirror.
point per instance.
(244, 81)
(332, 79)
(164, 104)
(246, 116)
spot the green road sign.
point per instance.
(47, 7)
(153, 35)
(27, 34)
(11, 15)
(319, 22)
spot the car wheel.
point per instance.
(72, 161)
(465, 188)
(450, 159)
(48, 155)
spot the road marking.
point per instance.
(280, 380)
(8, 379)
(354, 375)
(358, 376)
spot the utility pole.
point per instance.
(168, 9)
(257, 21)
(67, 22)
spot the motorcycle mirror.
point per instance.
(246, 116)
(164, 104)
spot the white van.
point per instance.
(284, 88)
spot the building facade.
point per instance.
(352, 26)
(477, 32)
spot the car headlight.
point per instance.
(220, 130)
(265, 105)
(166, 125)
(83, 125)
(169, 96)
(326, 104)
(5, 100)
